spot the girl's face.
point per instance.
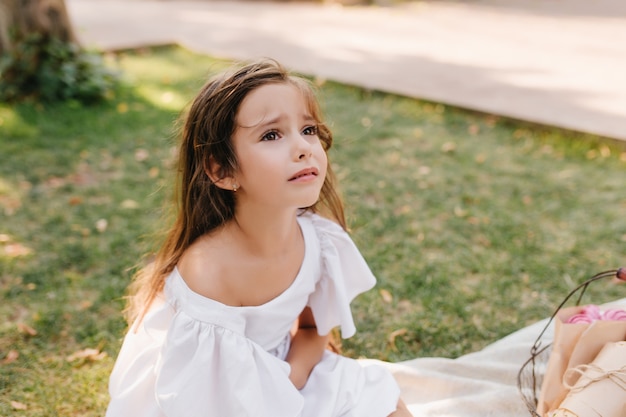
(281, 160)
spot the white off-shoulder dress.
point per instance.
(195, 357)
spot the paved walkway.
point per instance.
(555, 62)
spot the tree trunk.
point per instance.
(20, 18)
(42, 60)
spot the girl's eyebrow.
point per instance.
(264, 123)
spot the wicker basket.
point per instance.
(531, 373)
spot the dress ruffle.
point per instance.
(344, 275)
(205, 367)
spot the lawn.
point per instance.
(475, 225)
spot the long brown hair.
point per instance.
(205, 140)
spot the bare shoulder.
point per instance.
(203, 267)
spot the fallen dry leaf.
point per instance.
(18, 405)
(13, 250)
(101, 225)
(55, 182)
(26, 329)
(460, 211)
(393, 335)
(129, 204)
(473, 129)
(154, 172)
(404, 209)
(11, 357)
(386, 295)
(527, 200)
(448, 147)
(141, 155)
(89, 354)
(75, 201)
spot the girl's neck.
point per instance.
(266, 234)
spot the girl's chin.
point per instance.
(310, 201)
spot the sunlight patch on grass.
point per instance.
(166, 99)
(14, 125)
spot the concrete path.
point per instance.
(555, 62)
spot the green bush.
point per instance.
(47, 69)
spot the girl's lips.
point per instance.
(304, 173)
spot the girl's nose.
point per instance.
(304, 148)
(305, 151)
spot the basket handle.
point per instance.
(619, 273)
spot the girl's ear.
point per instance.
(215, 172)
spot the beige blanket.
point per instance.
(479, 384)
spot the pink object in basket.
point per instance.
(591, 313)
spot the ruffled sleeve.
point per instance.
(207, 370)
(344, 275)
(131, 385)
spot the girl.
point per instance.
(233, 316)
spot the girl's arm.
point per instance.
(307, 348)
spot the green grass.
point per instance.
(475, 226)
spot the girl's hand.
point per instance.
(298, 376)
(307, 348)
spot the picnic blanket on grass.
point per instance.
(478, 384)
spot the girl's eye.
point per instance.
(310, 130)
(271, 135)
